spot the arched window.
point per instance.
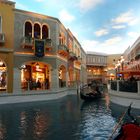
(36, 30)
(45, 32)
(28, 29)
(62, 39)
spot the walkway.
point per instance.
(33, 96)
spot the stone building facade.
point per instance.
(57, 68)
(96, 67)
(6, 45)
(39, 53)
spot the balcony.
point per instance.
(27, 42)
(72, 56)
(78, 60)
(2, 38)
(48, 44)
(63, 50)
(93, 76)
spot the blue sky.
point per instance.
(106, 26)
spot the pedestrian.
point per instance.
(38, 84)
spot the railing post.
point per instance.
(138, 84)
(117, 85)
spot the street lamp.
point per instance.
(122, 62)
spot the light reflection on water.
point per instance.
(68, 118)
(97, 122)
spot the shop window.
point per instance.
(3, 77)
(62, 76)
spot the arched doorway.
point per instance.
(3, 76)
(62, 76)
(35, 76)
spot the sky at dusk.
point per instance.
(106, 26)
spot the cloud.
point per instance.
(101, 32)
(21, 6)
(65, 16)
(125, 18)
(132, 37)
(109, 46)
(133, 34)
(133, 22)
(89, 44)
(89, 4)
(112, 41)
(118, 26)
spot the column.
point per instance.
(138, 84)
(54, 80)
(17, 81)
(117, 85)
(67, 78)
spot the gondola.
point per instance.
(129, 130)
(90, 92)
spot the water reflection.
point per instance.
(23, 122)
(2, 131)
(41, 124)
(67, 118)
(96, 120)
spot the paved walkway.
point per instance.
(30, 97)
(125, 98)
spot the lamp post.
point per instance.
(115, 69)
(122, 65)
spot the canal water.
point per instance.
(68, 118)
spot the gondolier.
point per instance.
(129, 130)
(91, 92)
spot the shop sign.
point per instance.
(38, 69)
(2, 68)
(39, 48)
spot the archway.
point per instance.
(62, 76)
(35, 76)
(3, 76)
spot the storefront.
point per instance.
(35, 76)
(3, 76)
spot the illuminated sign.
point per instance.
(38, 69)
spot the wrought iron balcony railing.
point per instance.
(27, 42)
(62, 47)
(48, 42)
(72, 56)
